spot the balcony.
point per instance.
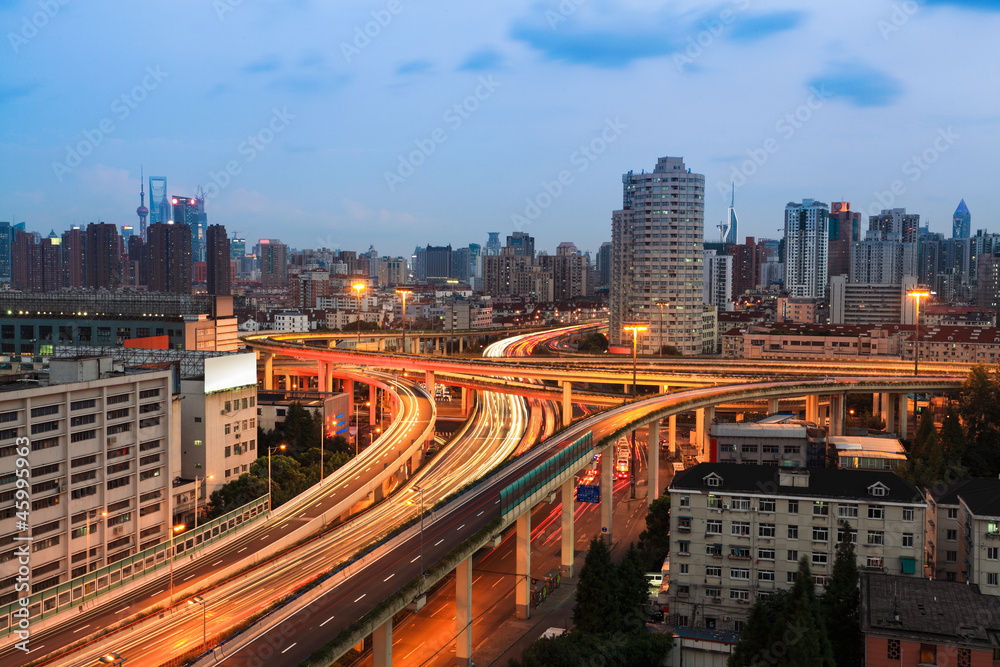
(738, 557)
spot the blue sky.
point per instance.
(397, 123)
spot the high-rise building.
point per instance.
(717, 288)
(142, 211)
(273, 256)
(217, 259)
(493, 244)
(657, 243)
(961, 223)
(461, 264)
(747, 260)
(169, 256)
(137, 273)
(732, 224)
(159, 203)
(806, 244)
(569, 272)
(6, 238)
(74, 243)
(897, 221)
(190, 211)
(845, 231)
(604, 265)
(522, 244)
(438, 263)
(104, 256)
(36, 264)
(237, 248)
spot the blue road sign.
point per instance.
(586, 493)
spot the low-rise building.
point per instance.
(859, 452)
(779, 440)
(797, 309)
(739, 530)
(291, 322)
(963, 533)
(815, 341)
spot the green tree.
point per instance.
(246, 488)
(926, 462)
(633, 590)
(800, 627)
(654, 542)
(755, 640)
(952, 436)
(980, 412)
(597, 609)
(841, 604)
(594, 343)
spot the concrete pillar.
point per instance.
(772, 406)
(567, 402)
(463, 613)
(607, 486)
(672, 434)
(833, 427)
(437, 345)
(461, 344)
(269, 371)
(522, 570)
(889, 400)
(876, 405)
(653, 446)
(429, 381)
(904, 410)
(466, 401)
(665, 389)
(349, 389)
(382, 645)
(568, 534)
(699, 430)
(320, 374)
(372, 403)
(380, 345)
(812, 408)
(415, 460)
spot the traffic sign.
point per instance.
(587, 493)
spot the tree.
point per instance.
(952, 436)
(800, 627)
(841, 604)
(980, 411)
(926, 462)
(633, 590)
(595, 343)
(756, 636)
(654, 542)
(596, 610)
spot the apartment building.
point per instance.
(776, 440)
(963, 533)
(739, 530)
(103, 454)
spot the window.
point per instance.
(964, 657)
(120, 413)
(80, 436)
(928, 654)
(907, 514)
(685, 501)
(229, 451)
(82, 420)
(819, 558)
(151, 421)
(819, 579)
(952, 513)
(45, 410)
(847, 511)
(683, 546)
(741, 528)
(739, 573)
(149, 474)
(792, 556)
(119, 467)
(821, 508)
(765, 554)
(713, 527)
(765, 575)
(874, 561)
(991, 578)
(685, 568)
(228, 429)
(44, 427)
(120, 398)
(908, 541)
(714, 501)
(792, 449)
(149, 393)
(741, 553)
(766, 505)
(790, 577)
(878, 490)
(741, 504)
(840, 536)
(683, 523)
(713, 572)
(951, 535)
(993, 527)
(736, 594)
(765, 530)
(951, 556)
(821, 534)
(120, 482)
(876, 512)
(793, 532)
(992, 553)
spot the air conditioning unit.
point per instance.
(62, 488)
(118, 530)
(725, 506)
(727, 618)
(112, 439)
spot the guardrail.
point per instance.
(84, 588)
(514, 494)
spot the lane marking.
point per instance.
(121, 610)
(216, 562)
(481, 513)
(326, 621)
(460, 527)
(415, 559)
(282, 526)
(362, 595)
(241, 550)
(439, 541)
(190, 576)
(159, 591)
(389, 577)
(83, 628)
(289, 648)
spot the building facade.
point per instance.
(806, 248)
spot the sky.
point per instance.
(395, 123)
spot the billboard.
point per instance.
(230, 372)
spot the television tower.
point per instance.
(142, 211)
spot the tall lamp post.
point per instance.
(197, 599)
(358, 289)
(660, 305)
(635, 329)
(917, 294)
(269, 450)
(420, 490)
(403, 293)
(176, 529)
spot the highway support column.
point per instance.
(463, 613)
(372, 403)
(889, 401)
(567, 402)
(653, 461)
(382, 645)
(772, 406)
(429, 382)
(522, 567)
(320, 374)
(672, 429)
(607, 487)
(349, 390)
(904, 410)
(703, 427)
(466, 401)
(268, 371)
(812, 408)
(568, 527)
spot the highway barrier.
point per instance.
(532, 481)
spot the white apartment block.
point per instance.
(806, 248)
(963, 533)
(291, 322)
(717, 289)
(657, 241)
(739, 530)
(102, 457)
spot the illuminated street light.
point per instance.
(111, 658)
(358, 288)
(635, 329)
(176, 529)
(917, 294)
(403, 293)
(661, 304)
(197, 599)
(269, 450)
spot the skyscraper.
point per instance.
(806, 246)
(190, 211)
(961, 223)
(237, 248)
(104, 256)
(142, 211)
(36, 264)
(657, 243)
(273, 256)
(6, 237)
(569, 272)
(217, 257)
(169, 256)
(845, 231)
(159, 204)
(74, 243)
(493, 244)
(731, 222)
(604, 265)
(438, 263)
(523, 245)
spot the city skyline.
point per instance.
(535, 83)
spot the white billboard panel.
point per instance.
(229, 372)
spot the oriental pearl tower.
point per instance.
(142, 211)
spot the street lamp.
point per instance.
(403, 293)
(111, 658)
(358, 288)
(269, 450)
(635, 329)
(661, 304)
(420, 490)
(176, 529)
(196, 498)
(917, 294)
(197, 599)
